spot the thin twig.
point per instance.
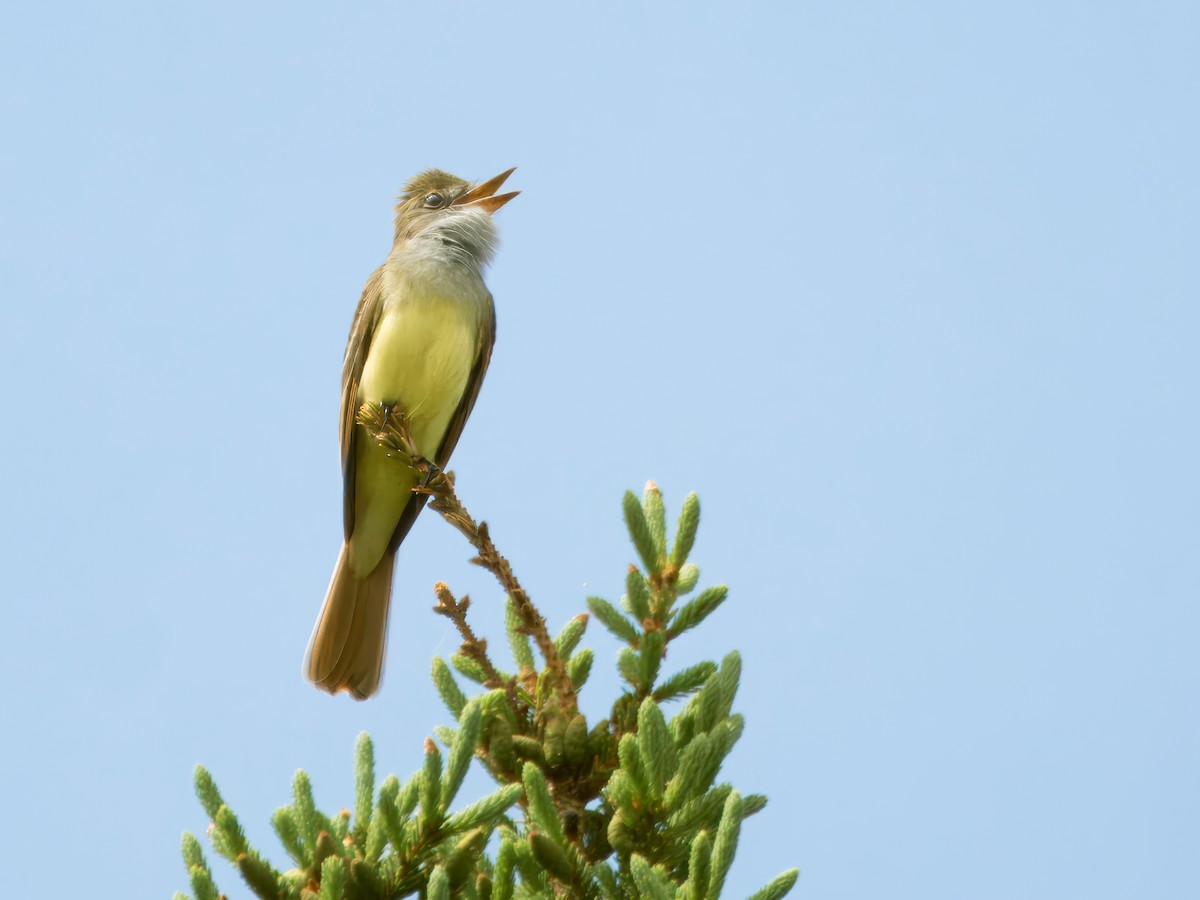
(391, 429)
(472, 646)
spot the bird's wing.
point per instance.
(483, 356)
(362, 330)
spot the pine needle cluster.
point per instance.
(627, 807)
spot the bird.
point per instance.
(419, 346)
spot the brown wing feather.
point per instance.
(483, 356)
(362, 330)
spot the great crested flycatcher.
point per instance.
(419, 344)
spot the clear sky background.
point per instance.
(907, 293)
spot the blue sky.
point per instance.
(908, 295)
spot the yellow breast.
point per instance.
(421, 355)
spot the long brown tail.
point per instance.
(347, 645)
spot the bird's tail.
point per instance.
(345, 652)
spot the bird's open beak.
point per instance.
(484, 195)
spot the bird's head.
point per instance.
(438, 206)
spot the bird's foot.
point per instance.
(388, 412)
(431, 469)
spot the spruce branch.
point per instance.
(472, 646)
(391, 429)
(630, 807)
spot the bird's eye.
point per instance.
(433, 201)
